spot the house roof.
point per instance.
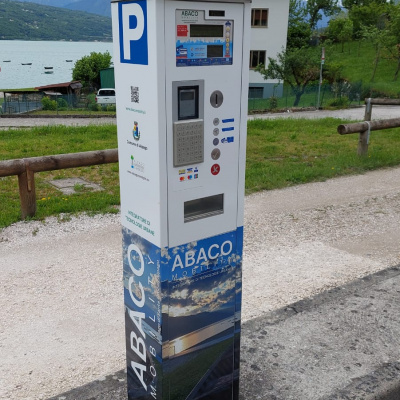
(72, 85)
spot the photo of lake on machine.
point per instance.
(202, 321)
(182, 317)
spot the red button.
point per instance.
(215, 169)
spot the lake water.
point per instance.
(42, 54)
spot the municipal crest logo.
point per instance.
(135, 131)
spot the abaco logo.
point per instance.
(133, 32)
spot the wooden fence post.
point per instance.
(27, 193)
(363, 143)
(363, 140)
(368, 110)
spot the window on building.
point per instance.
(257, 57)
(256, 92)
(259, 17)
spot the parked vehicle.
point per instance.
(105, 96)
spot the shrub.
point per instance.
(62, 103)
(111, 107)
(49, 104)
(94, 107)
(273, 103)
(340, 102)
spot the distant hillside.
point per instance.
(30, 21)
(52, 3)
(99, 7)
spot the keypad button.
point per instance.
(216, 154)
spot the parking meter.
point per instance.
(181, 75)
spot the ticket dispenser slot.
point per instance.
(188, 135)
(204, 207)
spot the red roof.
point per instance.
(73, 84)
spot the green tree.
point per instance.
(314, 8)
(372, 15)
(349, 4)
(390, 38)
(87, 69)
(299, 31)
(340, 29)
(296, 67)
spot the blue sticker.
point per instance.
(133, 32)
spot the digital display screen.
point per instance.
(188, 104)
(187, 95)
(215, 51)
(203, 31)
(216, 13)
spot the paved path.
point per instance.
(379, 112)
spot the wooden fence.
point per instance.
(25, 169)
(365, 128)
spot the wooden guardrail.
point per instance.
(25, 169)
(365, 128)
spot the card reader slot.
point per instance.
(203, 208)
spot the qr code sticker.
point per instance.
(134, 94)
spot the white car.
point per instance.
(105, 96)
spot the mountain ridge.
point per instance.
(98, 7)
(33, 21)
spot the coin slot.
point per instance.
(216, 98)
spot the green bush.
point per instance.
(273, 103)
(91, 98)
(94, 107)
(111, 107)
(340, 102)
(62, 103)
(48, 104)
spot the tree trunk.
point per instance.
(297, 98)
(377, 59)
(397, 70)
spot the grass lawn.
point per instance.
(286, 152)
(358, 65)
(280, 153)
(57, 140)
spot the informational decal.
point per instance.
(202, 42)
(181, 304)
(135, 94)
(188, 174)
(142, 294)
(137, 165)
(229, 139)
(201, 286)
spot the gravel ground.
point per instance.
(61, 299)
(6, 123)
